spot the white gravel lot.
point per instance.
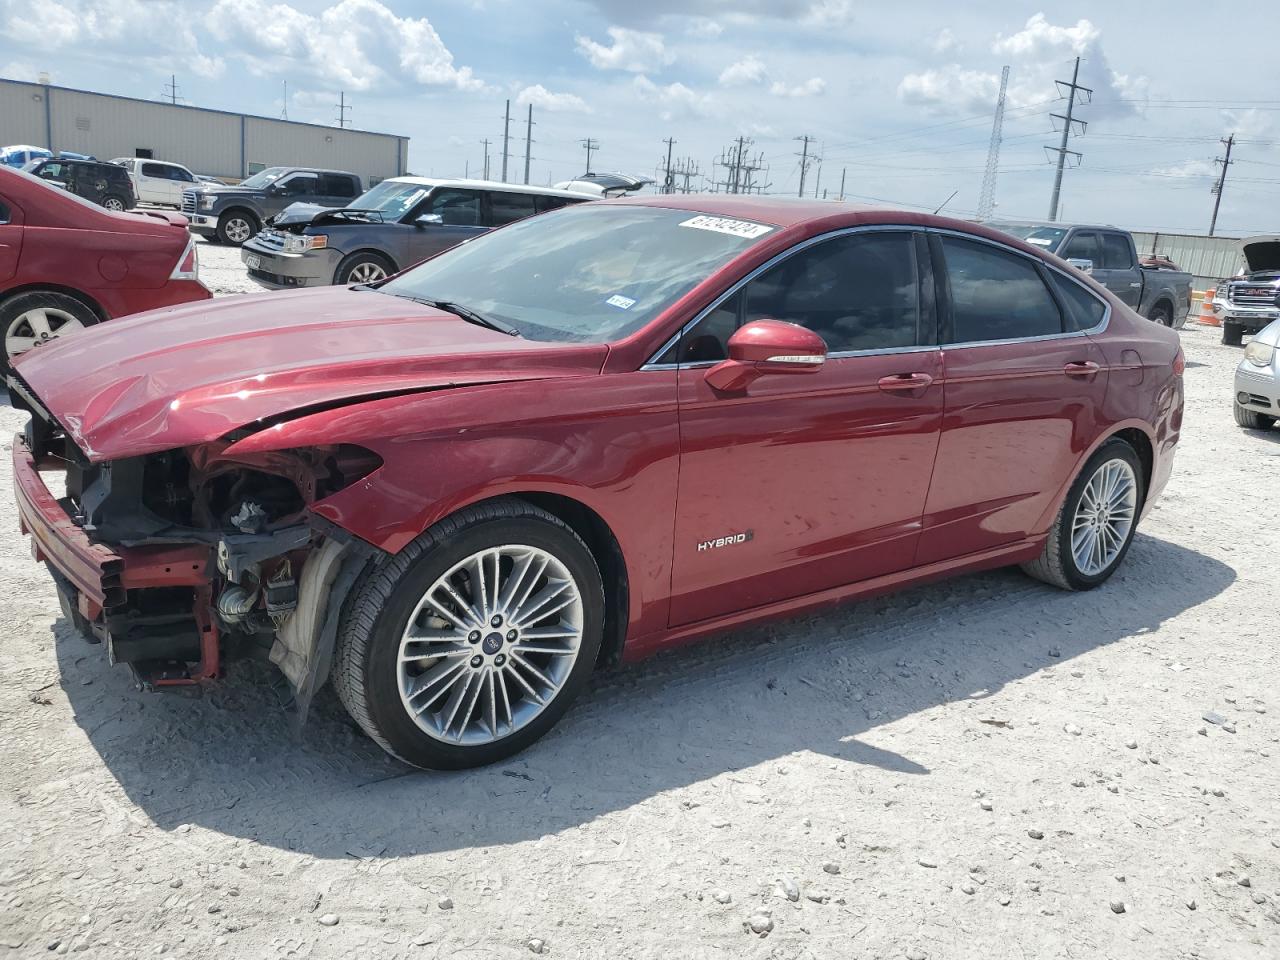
(984, 768)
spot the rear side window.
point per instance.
(1116, 253)
(4, 212)
(1083, 310)
(543, 204)
(155, 170)
(507, 207)
(300, 186)
(1081, 246)
(335, 185)
(455, 208)
(996, 295)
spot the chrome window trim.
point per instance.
(652, 362)
(1099, 327)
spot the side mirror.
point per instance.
(1084, 266)
(428, 220)
(764, 347)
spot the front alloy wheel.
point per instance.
(469, 644)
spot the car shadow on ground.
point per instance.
(230, 762)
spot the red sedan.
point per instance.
(583, 438)
(66, 263)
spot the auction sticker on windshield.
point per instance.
(736, 228)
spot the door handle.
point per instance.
(1081, 368)
(903, 382)
(1136, 283)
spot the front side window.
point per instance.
(1116, 252)
(586, 273)
(158, 170)
(507, 207)
(1082, 246)
(456, 208)
(300, 186)
(181, 174)
(996, 294)
(51, 171)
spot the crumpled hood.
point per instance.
(191, 374)
(1261, 254)
(297, 213)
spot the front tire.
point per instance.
(1232, 334)
(363, 267)
(1096, 523)
(1252, 420)
(236, 227)
(33, 319)
(469, 644)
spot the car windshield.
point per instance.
(1035, 234)
(393, 200)
(586, 273)
(264, 178)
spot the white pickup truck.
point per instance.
(158, 181)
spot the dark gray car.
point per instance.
(396, 224)
(234, 214)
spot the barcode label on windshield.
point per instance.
(735, 228)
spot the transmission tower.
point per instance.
(987, 199)
(686, 170)
(740, 170)
(1061, 150)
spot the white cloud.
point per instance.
(704, 28)
(828, 13)
(748, 70)
(810, 88)
(948, 87)
(944, 41)
(674, 99)
(19, 70)
(634, 50)
(541, 97)
(354, 44)
(1040, 39)
(1188, 169)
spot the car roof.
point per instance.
(778, 211)
(1052, 224)
(285, 166)
(496, 185)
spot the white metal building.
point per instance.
(213, 142)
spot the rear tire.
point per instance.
(1252, 420)
(114, 203)
(1162, 314)
(30, 320)
(236, 227)
(410, 605)
(364, 267)
(1232, 334)
(1060, 562)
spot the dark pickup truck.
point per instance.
(1109, 255)
(234, 214)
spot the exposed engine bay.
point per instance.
(226, 559)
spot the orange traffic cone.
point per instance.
(1207, 317)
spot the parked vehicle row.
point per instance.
(1159, 293)
(234, 214)
(158, 181)
(399, 222)
(106, 184)
(587, 436)
(67, 264)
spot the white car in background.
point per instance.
(158, 181)
(1258, 380)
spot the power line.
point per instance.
(987, 199)
(1067, 121)
(1222, 181)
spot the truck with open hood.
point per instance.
(1250, 300)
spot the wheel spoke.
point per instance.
(436, 681)
(16, 345)
(534, 671)
(538, 609)
(468, 610)
(38, 321)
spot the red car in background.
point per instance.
(66, 263)
(584, 437)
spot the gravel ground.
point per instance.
(982, 768)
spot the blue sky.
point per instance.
(898, 96)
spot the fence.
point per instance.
(1207, 259)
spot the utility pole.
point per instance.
(1061, 150)
(528, 144)
(804, 160)
(591, 145)
(171, 89)
(668, 179)
(987, 199)
(843, 171)
(486, 158)
(817, 180)
(343, 107)
(1222, 181)
(506, 141)
(284, 102)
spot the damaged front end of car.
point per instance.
(185, 560)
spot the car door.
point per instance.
(153, 183)
(446, 218)
(10, 238)
(1120, 269)
(1023, 394)
(803, 483)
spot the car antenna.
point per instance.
(946, 201)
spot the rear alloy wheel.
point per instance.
(363, 268)
(472, 641)
(31, 320)
(1096, 523)
(1252, 420)
(114, 204)
(235, 228)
